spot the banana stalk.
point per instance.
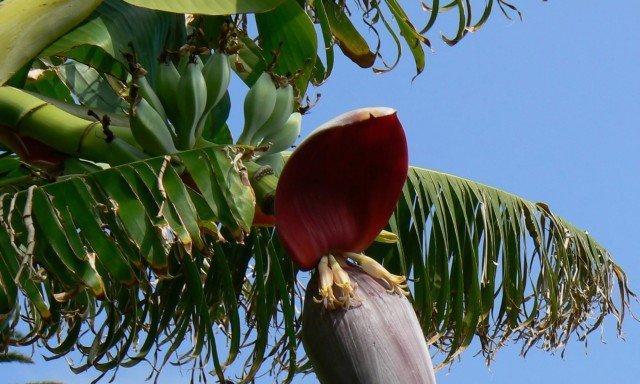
(30, 116)
(247, 63)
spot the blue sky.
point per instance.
(546, 109)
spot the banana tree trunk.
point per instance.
(378, 342)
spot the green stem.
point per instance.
(246, 63)
(30, 116)
(264, 185)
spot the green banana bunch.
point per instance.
(258, 106)
(283, 138)
(192, 100)
(217, 74)
(173, 115)
(167, 89)
(279, 116)
(150, 129)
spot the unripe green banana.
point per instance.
(281, 112)
(192, 100)
(214, 127)
(258, 105)
(285, 137)
(217, 75)
(149, 129)
(147, 92)
(199, 62)
(167, 89)
(182, 63)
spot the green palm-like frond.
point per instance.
(351, 23)
(114, 267)
(124, 251)
(490, 264)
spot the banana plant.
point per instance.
(159, 227)
(133, 228)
